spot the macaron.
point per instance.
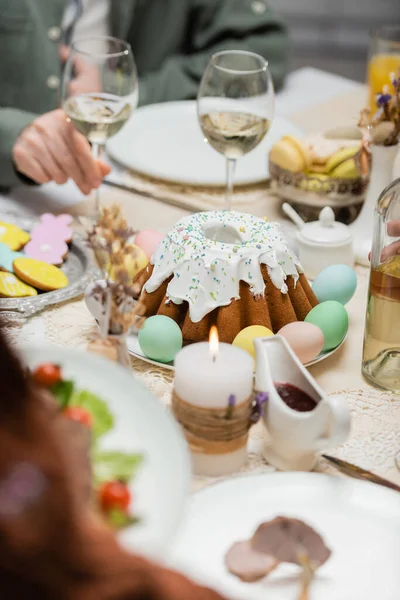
(346, 170)
(340, 157)
(315, 182)
(333, 159)
(321, 148)
(290, 153)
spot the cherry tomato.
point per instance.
(47, 374)
(114, 495)
(79, 414)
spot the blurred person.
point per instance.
(52, 545)
(172, 41)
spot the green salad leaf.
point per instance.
(107, 465)
(62, 391)
(103, 420)
(115, 466)
(119, 519)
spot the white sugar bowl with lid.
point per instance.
(322, 243)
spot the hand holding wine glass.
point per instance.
(235, 106)
(50, 149)
(100, 90)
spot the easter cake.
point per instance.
(230, 269)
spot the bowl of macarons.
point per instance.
(331, 168)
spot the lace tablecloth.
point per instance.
(375, 435)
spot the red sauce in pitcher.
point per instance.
(295, 398)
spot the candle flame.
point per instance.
(214, 342)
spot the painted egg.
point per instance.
(148, 241)
(133, 263)
(245, 338)
(332, 318)
(160, 338)
(337, 282)
(305, 339)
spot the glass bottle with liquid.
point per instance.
(381, 354)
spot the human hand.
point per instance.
(87, 77)
(50, 149)
(393, 230)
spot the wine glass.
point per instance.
(235, 106)
(100, 90)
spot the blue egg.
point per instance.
(337, 282)
(160, 338)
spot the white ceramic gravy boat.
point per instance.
(294, 438)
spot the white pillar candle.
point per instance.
(206, 376)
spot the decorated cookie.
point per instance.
(12, 287)
(52, 251)
(41, 275)
(53, 227)
(7, 257)
(13, 236)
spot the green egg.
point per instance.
(332, 318)
(160, 338)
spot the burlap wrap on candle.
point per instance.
(214, 430)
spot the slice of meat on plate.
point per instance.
(248, 564)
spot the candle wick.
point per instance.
(214, 358)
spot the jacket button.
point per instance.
(53, 82)
(258, 7)
(54, 34)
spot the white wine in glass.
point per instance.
(98, 116)
(235, 106)
(100, 90)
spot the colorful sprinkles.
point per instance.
(206, 272)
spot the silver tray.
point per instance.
(78, 267)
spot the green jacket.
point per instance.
(172, 41)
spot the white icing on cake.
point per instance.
(206, 272)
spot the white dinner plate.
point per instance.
(165, 141)
(142, 425)
(135, 349)
(359, 521)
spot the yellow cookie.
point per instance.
(13, 236)
(43, 276)
(12, 287)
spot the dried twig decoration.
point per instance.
(111, 240)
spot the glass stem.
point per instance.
(230, 175)
(97, 150)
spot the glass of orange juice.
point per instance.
(384, 59)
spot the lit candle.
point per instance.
(212, 400)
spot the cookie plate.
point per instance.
(78, 267)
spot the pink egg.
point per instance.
(148, 241)
(305, 339)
